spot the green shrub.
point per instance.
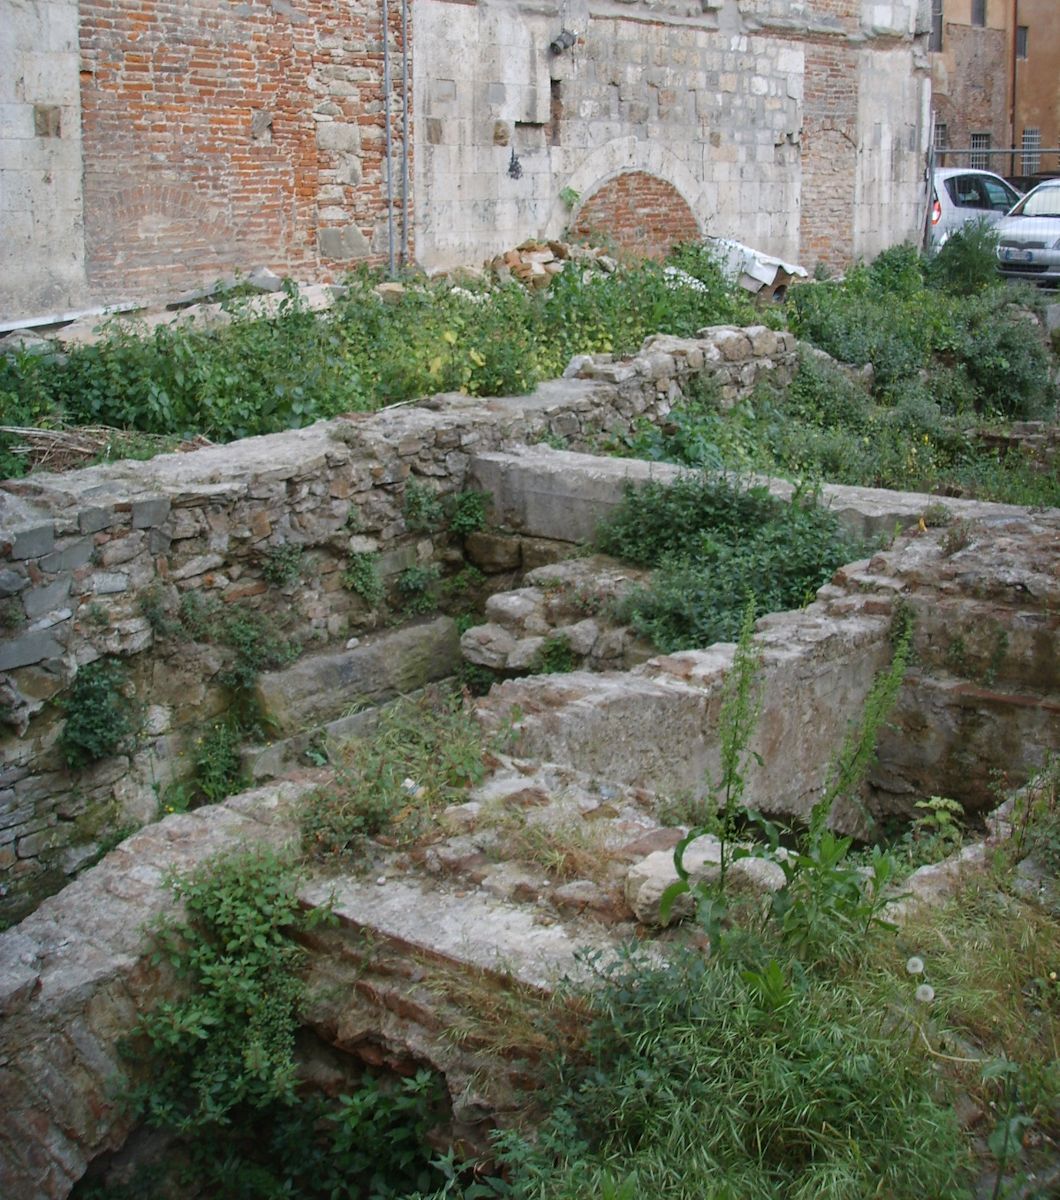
(826, 427)
(416, 587)
(282, 565)
(100, 717)
(422, 508)
(967, 263)
(555, 656)
(713, 543)
(220, 1059)
(362, 577)
(262, 374)
(467, 512)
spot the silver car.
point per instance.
(960, 195)
(1029, 237)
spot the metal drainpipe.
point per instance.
(404, 133)
(1012, 98)
(389, 159)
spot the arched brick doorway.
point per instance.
(637, 212)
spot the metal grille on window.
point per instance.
(980, 161)
(979, 12)
(1032, 145)
(941, 137)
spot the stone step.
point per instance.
(322, 688)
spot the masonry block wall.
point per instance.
(969, 84)
(41, 223)
(219, 136)
(151, 146)
(763, 116)
(637, 212)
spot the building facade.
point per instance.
(995, 68)
(152, 146)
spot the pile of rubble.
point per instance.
(534, 263)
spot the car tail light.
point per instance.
(936, 213)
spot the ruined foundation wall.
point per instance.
(91, 559)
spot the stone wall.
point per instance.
(739, 108)
(220, 137)
(151, 146)
(42, 251)
(95, 562)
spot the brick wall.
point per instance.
(220, 136)
(971, 96)
(639, 213)
(829, 156)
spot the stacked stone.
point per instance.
(533, 263)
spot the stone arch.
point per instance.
(638, 212)
(632, 156)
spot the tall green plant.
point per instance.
(740, 707)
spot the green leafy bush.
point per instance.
(282, 565)
(826, 427)
(966, 325)
(362, 577)
(467, 512)
(100, 717)
(259, 374)
(422, 508)
(416, 587)
(713, 543)
(221, 1058)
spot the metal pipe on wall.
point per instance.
(389, 145)
(404, 133)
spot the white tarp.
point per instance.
(751, 268)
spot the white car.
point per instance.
(960, 195)
(1029, 237)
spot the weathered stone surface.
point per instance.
(321, 686)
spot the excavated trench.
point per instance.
(444, 951)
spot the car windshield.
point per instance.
(1043, 203)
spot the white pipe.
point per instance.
(74, 314)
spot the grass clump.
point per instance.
(424, 754)
(739, 1081)
(712, 542)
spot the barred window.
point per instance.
(980, 142)
(1032, 146)
(979, 12)
(941, 136)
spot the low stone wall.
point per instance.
(95, 563)
(982, 696)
